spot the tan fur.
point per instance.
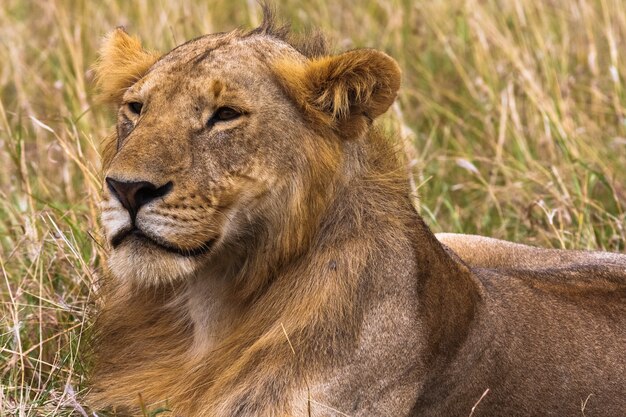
(122, 62)
(334, 89)
(322, 292)
(486, 252)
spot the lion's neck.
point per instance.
(374, 299)
(419, 301)
(207, 300)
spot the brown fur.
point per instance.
(322, 292)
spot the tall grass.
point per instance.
(512, 112)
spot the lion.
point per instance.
(266, 258)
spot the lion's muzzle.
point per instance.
(134, 194)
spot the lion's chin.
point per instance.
(149, 265)
(146, 260)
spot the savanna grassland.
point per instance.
(512, 114)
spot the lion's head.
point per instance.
(228, 144)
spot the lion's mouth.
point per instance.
(134, 233)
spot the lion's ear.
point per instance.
(122, 61)
(347, 91)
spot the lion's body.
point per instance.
(486, 252)
(267, 259)
(543, 343)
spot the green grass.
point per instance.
(512, 113)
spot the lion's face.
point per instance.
(210, 137)
(201, 139)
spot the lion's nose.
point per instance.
(133, 195)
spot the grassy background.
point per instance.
(512, 112)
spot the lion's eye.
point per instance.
(224, 114)
(135, 107)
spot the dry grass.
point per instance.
(513, 112)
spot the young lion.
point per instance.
(266, 259)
